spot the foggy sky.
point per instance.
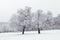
(9, 7)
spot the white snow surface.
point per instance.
(31, 35)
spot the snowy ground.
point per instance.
(32, 35)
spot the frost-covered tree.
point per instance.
(48, 21)
(13, 23)
(21, 19)
(36, 22)
(57, 22)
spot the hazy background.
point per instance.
(9, 7)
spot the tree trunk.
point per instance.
(23, 30)
(38, 30)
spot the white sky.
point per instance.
(8, 7)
